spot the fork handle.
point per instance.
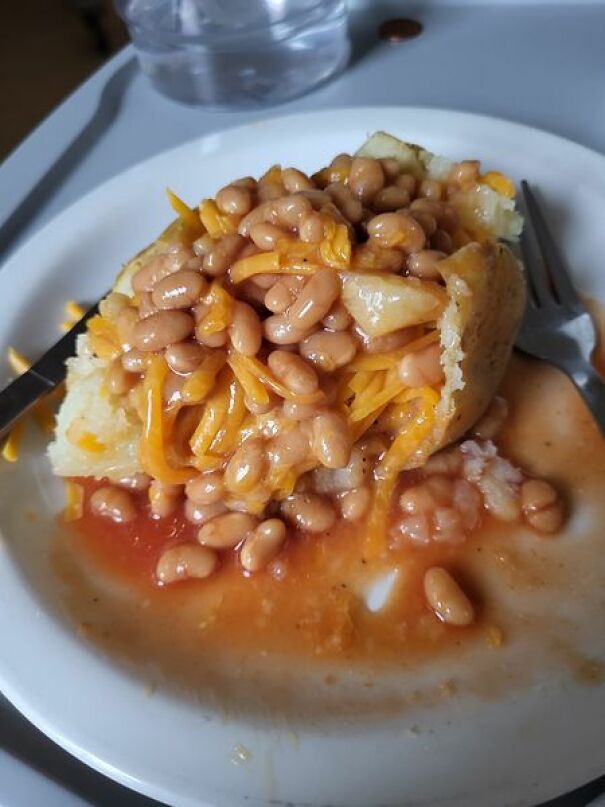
(592, 388)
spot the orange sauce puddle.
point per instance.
(211, 636)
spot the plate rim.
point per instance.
(27, 707)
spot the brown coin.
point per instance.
(399, 29)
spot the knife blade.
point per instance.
(42, 377)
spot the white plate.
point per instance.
(522, 749)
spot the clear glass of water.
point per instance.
(237, 53)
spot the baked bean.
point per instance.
(281, 331)
(548, 520)
(425, 264)
(290, 211)
(390, 198)
(391, 168)
(315, 300)
(261, 408)
(184, 357)
(206, 488)
(344, 199)
(290, 447)
(298, 411)
(134, 361)
(223, 254)
(248, 251)
(194, 264)
(445, 215)
(162, 329)
(245, 182)
(185, 562)
(234, 199)
(465, 174)
(337, 318)
(201, 513)
(417, 529)
(125, 323)
(113, 503)
(442, 241)
(245, 331)
(309, 512)
(373, 445)
(202, 245)
(449, 461)
(265, 280)
(246, 467)
(278, 297)
(541, 506)
(366, 178)
(293, 371)
(269, 191)
(398, 230)
(266, 236)
(387, 342)
(331, 440)
(163, 498)
(430, 189)
(312, 228)
(441, 488)
(181, 289)
(316, 198)
(257, 215)
(137, 481)
(449, 528)
(118, 380)
(417, 499)
(354, 503)
(200, 311)
(212, 340)
(294, 180)
(330, 210)
(446, 598)
(426, 221)
(146, 304)
(158, 267)
(408, 183)
(262, 545)
(251, 293)
(226, 532)
(422, 367)
(329, 350)
(371, 257)
(342, 160)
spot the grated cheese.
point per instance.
(188, 217)
(74, 501)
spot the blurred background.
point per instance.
(47, 48)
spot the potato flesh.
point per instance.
(381, 304)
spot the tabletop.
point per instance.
(540, 63)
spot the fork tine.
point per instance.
(535, 270)
(552, 259)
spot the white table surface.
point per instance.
(540, 63)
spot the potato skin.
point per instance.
(488, 321)
(487, 293)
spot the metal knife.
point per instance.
(42, 377)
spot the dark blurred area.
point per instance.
(47, 49)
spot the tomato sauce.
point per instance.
(314, 609)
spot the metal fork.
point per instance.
(556, 326)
